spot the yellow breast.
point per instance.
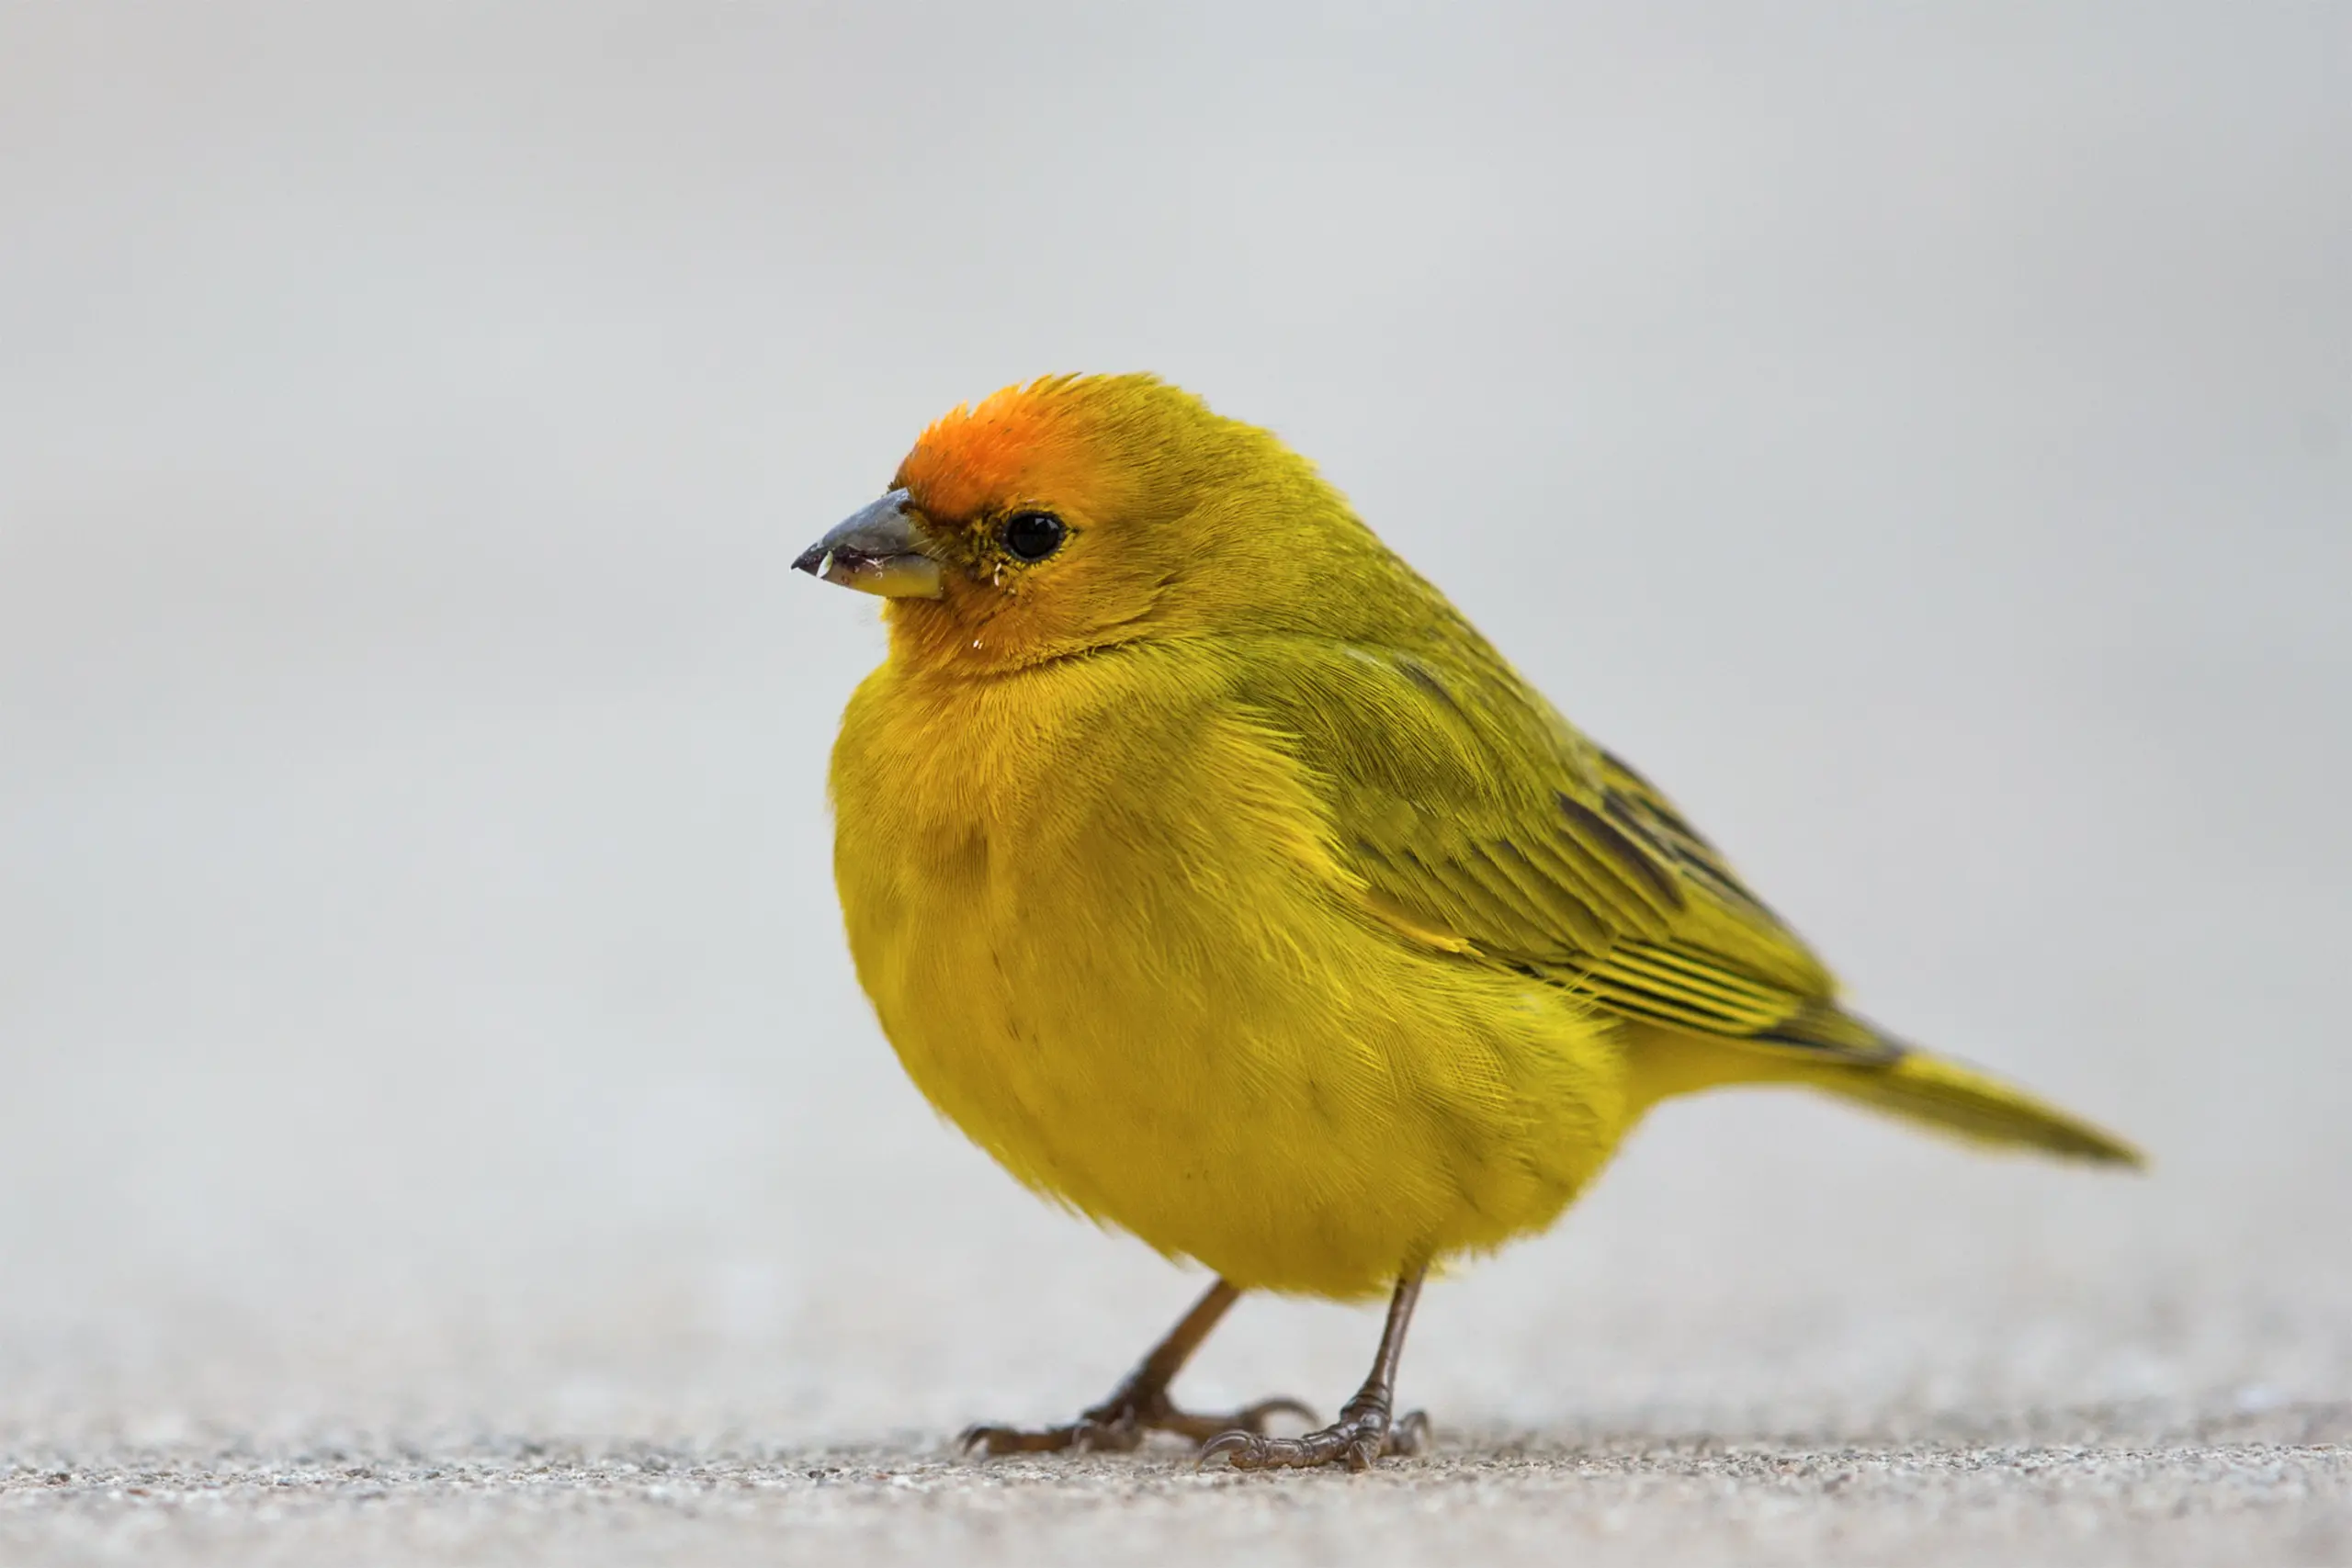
(1098, 918)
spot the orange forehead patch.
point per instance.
(1020, 443)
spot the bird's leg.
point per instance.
(1363, 1431)
(1141, 1405)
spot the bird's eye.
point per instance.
(1034, 536)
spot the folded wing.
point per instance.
(1481, 824)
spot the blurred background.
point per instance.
(1921, 439)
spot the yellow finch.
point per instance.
(1209, 870)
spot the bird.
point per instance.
(1209, 871)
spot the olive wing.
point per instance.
(1483, 825)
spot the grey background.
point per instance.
(1922, 440)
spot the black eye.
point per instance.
(1034, 536)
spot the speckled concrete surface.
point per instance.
(2098, 1489)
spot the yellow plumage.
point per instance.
(1214, 875)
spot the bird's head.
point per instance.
(1079, 512)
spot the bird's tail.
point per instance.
(1901, 1080)
(1949, 1098)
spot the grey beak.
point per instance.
(877, 549)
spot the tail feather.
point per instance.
(1899, 1079)
(1972, 1105)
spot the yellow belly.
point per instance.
(1107, 940)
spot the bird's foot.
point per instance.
(1363, 1433)
(1119, 1423)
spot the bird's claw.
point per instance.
(1362, 1434)
(1085, 1435)
(1249, 1419)
(1118, 1426)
